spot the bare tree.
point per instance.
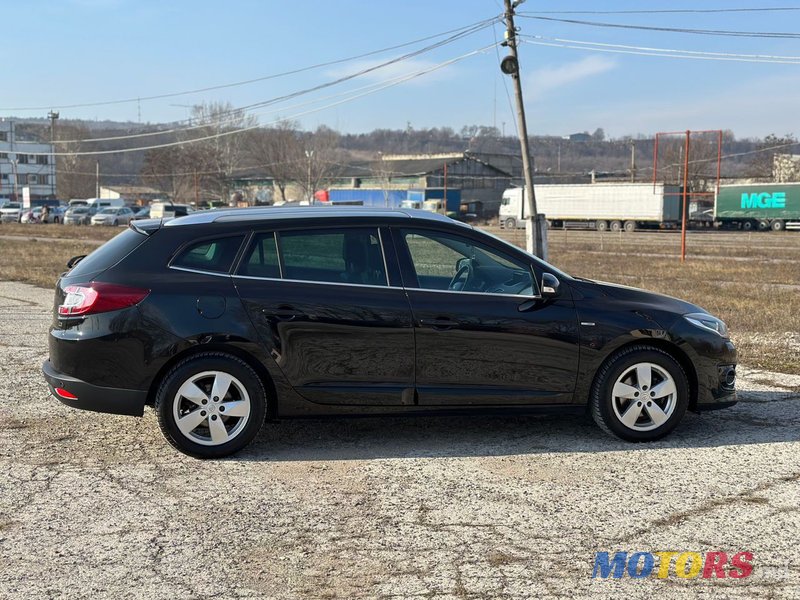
(224, 153)
(323, 160)
(763, 160)
(278, 151)
(74, 173)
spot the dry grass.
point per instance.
(57, 230)
(752, 281)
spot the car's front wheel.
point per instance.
(211, 405)
(640, 394)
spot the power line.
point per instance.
(719, 32)
(254, 80)
(391, 83)
(241, 111)
(660, 11)
(538, 40)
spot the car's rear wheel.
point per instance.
(640, 394)
(211, 405)
(510, 224)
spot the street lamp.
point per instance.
(309, 155)
(14, 169)
(53, 115)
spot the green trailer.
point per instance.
(763, 206)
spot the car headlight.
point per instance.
(707, 321)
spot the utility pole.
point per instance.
(52, 115)
(684, 211)
(534, 225)
(97, 179)
(633, 162)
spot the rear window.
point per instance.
(333, 256)
(261, 259)
(215, 255)
(109, 253)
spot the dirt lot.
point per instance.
(100, 506)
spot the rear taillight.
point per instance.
(97, 297)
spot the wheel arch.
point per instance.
(235, 351)
(670, 348)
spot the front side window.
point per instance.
(351, 256)
(210, 255)
(453, 263)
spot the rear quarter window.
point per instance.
(216, 255)
(109, 253)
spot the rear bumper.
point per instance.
(92, 397)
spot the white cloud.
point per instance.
(550, 78)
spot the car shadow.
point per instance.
(759, 418)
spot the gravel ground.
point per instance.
(100, 506)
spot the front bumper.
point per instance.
(92, 397)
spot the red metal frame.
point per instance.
(688, 133)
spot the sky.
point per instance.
(69, 52)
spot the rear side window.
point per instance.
(215, 255)
(109, 253)
(335, 256)
(261, 259)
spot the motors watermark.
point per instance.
(663, 565)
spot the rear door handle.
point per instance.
(440, 323)
(284, 313)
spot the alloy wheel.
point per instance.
(211, 408)
(644, 397)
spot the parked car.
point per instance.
(55, 214)
(223, 318)
(78, 215)
(113, 216)
(168, 210)
(142, 213)
(11, 212)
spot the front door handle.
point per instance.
(440, 323)
(283, 313)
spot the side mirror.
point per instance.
(75, 260)
(550, 284)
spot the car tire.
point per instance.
(630, 226)
(747, 226)
(777, 225)
(510, 224)
(640, 394)
(616, 226)
(601, 225)
(186, 391)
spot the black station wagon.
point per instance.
(223, 319)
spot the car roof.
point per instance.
(271, 213)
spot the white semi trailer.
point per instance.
(601, 206)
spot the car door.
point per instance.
(323, 305)
(482, 336)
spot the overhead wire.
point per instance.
(391, 83)
(539, 40)
(483, 22)
(235, 113)
(712, 32)
(661, 11)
